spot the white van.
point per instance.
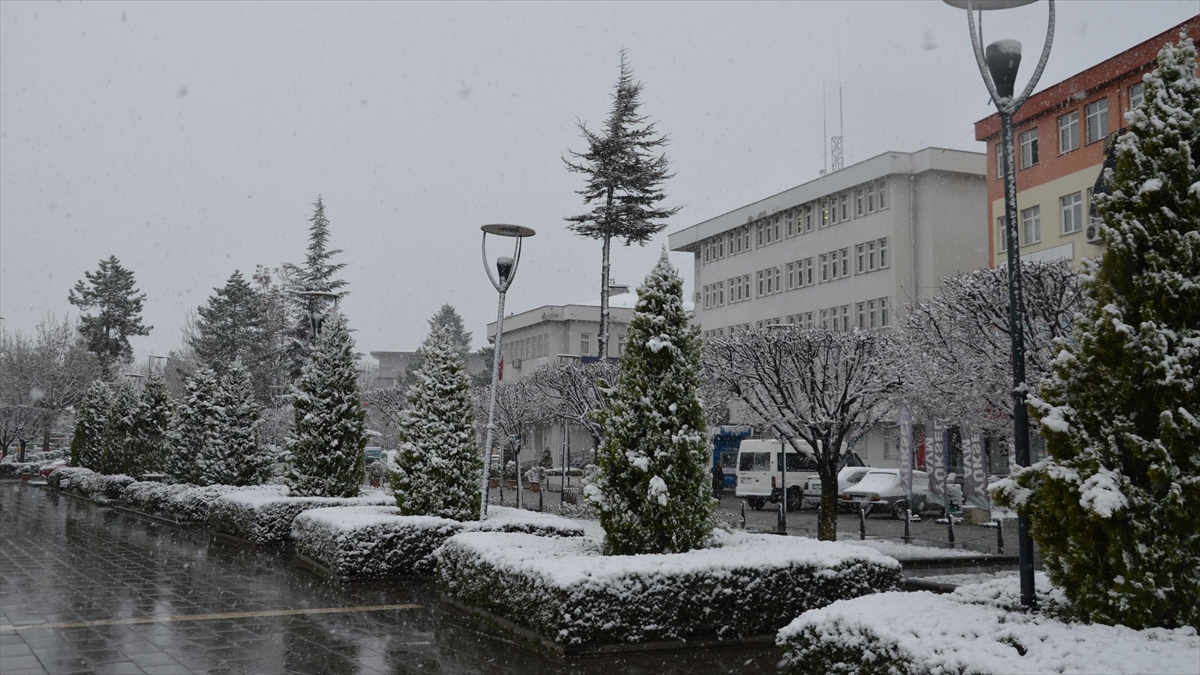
(759, 479)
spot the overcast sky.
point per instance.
(191, 140)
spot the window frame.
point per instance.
(1070, 130)
(1029, 148)
(1101, 114)
(1071, 211)
(1031, 216)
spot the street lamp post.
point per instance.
(506, 271)
(998, 66)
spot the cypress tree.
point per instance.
(237, 458)
(315, 275)
(1115, 507)
(196, 430)
(87, 440)
(118, 431)
(147, 446)
(439, 466)
(653, 489)
(330, 431)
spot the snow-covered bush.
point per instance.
(88, 483)
(330, 431)
(565, 590)
(922, 633)
(264, 515)
(11, 468)
(192, 504)
(150, 496)
(653, 490)
(438, 466)
(1114, 506)
(370, 541)
(63, 478)
(378, 541)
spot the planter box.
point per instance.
(535, 486)
(576, 599)
(510, 484)
(494, 482)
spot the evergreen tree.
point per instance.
(624, 181)
(118, 430)
(147, 447)
(316, 275)
(1115, 507)
(228, 327)
(196, 430)
(653, 489)
(237, 458)
(448, 319)
(110, 290)
(271, 373)
(87, 441)
(330, 431)
(439, 466)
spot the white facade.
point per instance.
(846, 250)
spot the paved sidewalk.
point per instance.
(84, 589)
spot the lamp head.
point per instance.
(1003, 58)
(504, 265)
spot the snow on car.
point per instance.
(848, 476)
(882, 489)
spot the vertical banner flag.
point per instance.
(935, 461)
(975, 478)
(904, 420)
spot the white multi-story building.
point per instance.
(844, 251)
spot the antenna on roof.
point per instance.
(836, 141)
(824, 131)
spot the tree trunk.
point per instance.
(21, 443)
(602, 339)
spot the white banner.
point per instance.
(975, 480)
(904, 420)
(935, 461)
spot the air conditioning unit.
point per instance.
(1092, 233)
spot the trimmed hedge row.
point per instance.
(264, 515)
(565, 590)
(376, 541)
(921, 633)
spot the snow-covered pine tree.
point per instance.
(625, 171)
(330, 432)
(1115, 507)
(148, 441)
(438, 464)
(237, 458)
(87, 441)
(451, 323)
(653, 489)
(109, 290)
(228, 326)
(315, 275)
(195, 432)
(118, 430)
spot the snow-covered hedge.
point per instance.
(565, 590)
(376, 541)
(264, 515)
(88, 483)
(151, 496)
(918, 633)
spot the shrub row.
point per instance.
(264, 515)
(376, 541)
(565, 590)
(921, 633)
(11, 468)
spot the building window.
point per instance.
(1135, 96)
(824, 267)
(807, 211)
(758, 235)
(746, 238)
(844, 205)
(777, 227)
(1029, 148)
(792, 226)
(871, 197)
(707, 252)
(585, 344)
(808, 271)
(860, 255)
(846, 318)
(720, 248)
(824, 318)
(1002, 233)
(883, 253)
(1097, 120)
(1072, 212)
(862, 314)
(872, 256)
(1031, 222)
(860, 203)
(824, 212)
(881, 191)
(1068, 132)
(845, 254)
(720, 293)
(746, 285)
(760, 280)
(874, 315)
(884, 319)
(791, 275)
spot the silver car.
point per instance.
(882, 489)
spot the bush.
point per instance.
(264, 515)
(11, 468)
(371, 541)
(88, 483)
(565, 590)
(151, 496)
(192, 505)
(65, 477)
(923, 633)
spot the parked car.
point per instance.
(847, 477)
(50, 468)
(882, 489)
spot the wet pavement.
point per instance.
(84, 589)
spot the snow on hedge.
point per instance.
(917, 633)
(377, 541)
(913, 552)
(264, 515)
(565, 590)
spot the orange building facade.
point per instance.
(1060, 136)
